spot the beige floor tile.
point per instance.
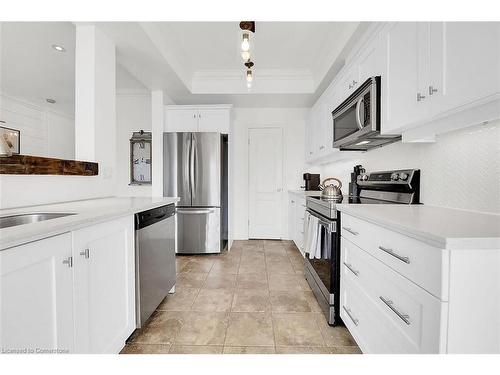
(196, 349)
(252, 281)
(286, 282)
(202, 328)
(220, 281)
(334, 336)
(252, 267)
(161, 328)
(292, 301)
(223, 266)
(345, 350)
(198, 265)
(278, 259)
(313, 302)
(275, 252)
(251, 300)
(190, 280)
(181, 300)
(219, 300)
(274, 268)
(302, 350)
(145, 349)
(296, 330)
(249, 350)
(251, 256)
(250, 329)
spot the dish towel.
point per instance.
(312, 236)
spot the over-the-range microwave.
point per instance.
(356, 121)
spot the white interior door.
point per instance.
(265, 155)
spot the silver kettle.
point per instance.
(330, 190)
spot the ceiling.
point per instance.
(32, 69)
(193, 62)
(200, 62)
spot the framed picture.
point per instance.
(140, 158)
(13, 139)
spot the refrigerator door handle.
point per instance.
(192, 169)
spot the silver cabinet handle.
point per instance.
(397, 256)
(349, 314)
(292, 201)
(354, 83)
(349, 267)
(432, 90)
(321, 147)
(404, 317)
(85, 253)
(310, 152)
(68, 261)
(350, 231)
(420, 97)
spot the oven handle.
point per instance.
(358, 115)
(329, 225)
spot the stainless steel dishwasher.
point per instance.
(154, 259)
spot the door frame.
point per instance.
(283, 173)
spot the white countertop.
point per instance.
(88, 212)
(445, 228)
(303, 193)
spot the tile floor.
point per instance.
(253, 299)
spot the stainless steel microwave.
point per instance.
(356, 121)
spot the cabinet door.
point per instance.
(213, 120)
(181, 120)
(37, 296)
(400, 81)
(104, 286)
(310, 135)
(369, 62)
(291, 218)
(465, 63)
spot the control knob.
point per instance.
(364, 177)
(394, 176)
(403, 176)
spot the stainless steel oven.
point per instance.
(322, 273)
(356, 121)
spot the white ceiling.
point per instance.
(32, 69)
(200, 62)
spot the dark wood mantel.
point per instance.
(25, 164)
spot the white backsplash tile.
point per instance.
(460, 170)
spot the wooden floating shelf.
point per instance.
(25, 164)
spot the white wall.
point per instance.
(292, 121)
(133, 113)
(460, 170)
(44, 132)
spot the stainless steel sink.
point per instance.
(21, 219)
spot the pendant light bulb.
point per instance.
(249, 76)
(245, 55)
(245, 44)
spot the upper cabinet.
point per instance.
(197, 119)
(435, 77)
(436, 69)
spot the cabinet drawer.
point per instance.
(425, 265)
(413, 318)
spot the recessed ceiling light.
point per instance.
(51, 101)
(58, 48)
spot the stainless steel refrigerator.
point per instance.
(195, 170)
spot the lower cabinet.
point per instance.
(73, 293)
(104, 286)
(36, 289)
(296, 210)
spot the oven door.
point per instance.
(357, 116)
(324, 267)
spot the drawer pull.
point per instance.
(349, 314)
(349, 267)
(404, 317)
(350, 231)
(391, 252)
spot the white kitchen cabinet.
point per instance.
(104, 286)
(37, 296)
(181, 120)
(464, 63)
(296, 210)
(197, 119)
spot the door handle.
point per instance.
(404, 317)
(196, 212)
(85, 253)
(68, 261)
(358, 114)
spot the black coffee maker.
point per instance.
(311, 181)
(353, 186)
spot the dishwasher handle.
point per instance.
(150, 217)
